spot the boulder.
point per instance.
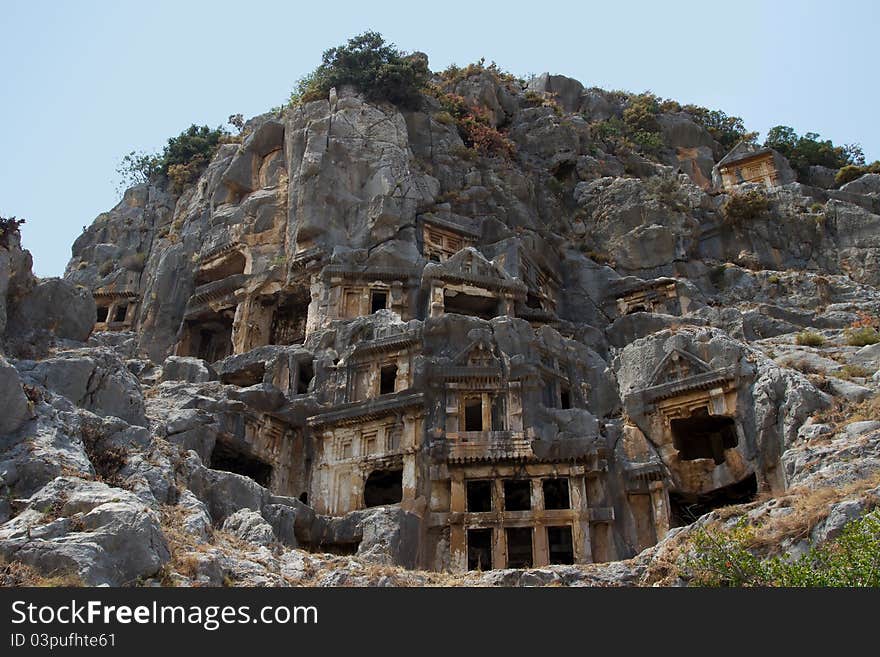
(88, 530)
(249, 525)
(186, 368)
(95, 379)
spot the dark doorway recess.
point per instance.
(686, 508)
(479, 496)
(378, 300)
(103, 311)
(473, 414)
(556, 494)
(305, 375)
(229, 458)
(479, 549)
(703, 436)
(565, 397)
(519, 547)
(383, 487)
(560, 545)
(517, 494)
(289, 318)
(387, 379)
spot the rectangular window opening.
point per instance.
(519, 547)
(556, 495)
(560, 545)
(378, 300)
(517, 494)
(103, 311)
(387, 379)
(473, 414)
(479, 496)
(119, 315)
(479, 549)
(305, 376)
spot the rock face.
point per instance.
(358, 340)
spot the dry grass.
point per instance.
(843, 412)
(809, 508)
(16, 574)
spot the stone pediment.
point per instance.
(677, 365)
(479, 353)
(471, 266)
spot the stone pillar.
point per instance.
(659, 508)
(499, 547)
(499, 538)
(580, 530)
(540, 549)
(457, 537)
(436, 306)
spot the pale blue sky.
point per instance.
(86, 82)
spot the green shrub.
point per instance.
(744, 206)
(377, 69)
(641, 113)
(648, 142)
(817, 207)
(862, 336)
(8, 227)
(853, 172)
(809, 150)
(809, 339)
(728, 558)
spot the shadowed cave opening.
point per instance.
(685, 508)
(228, 458)
(383, 487)
(703, 436)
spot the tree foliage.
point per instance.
(810, 150)
(375, 68)
(726, 130)
(181, 161)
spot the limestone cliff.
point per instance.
(357, 333)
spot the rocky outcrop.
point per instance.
(358, 335)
